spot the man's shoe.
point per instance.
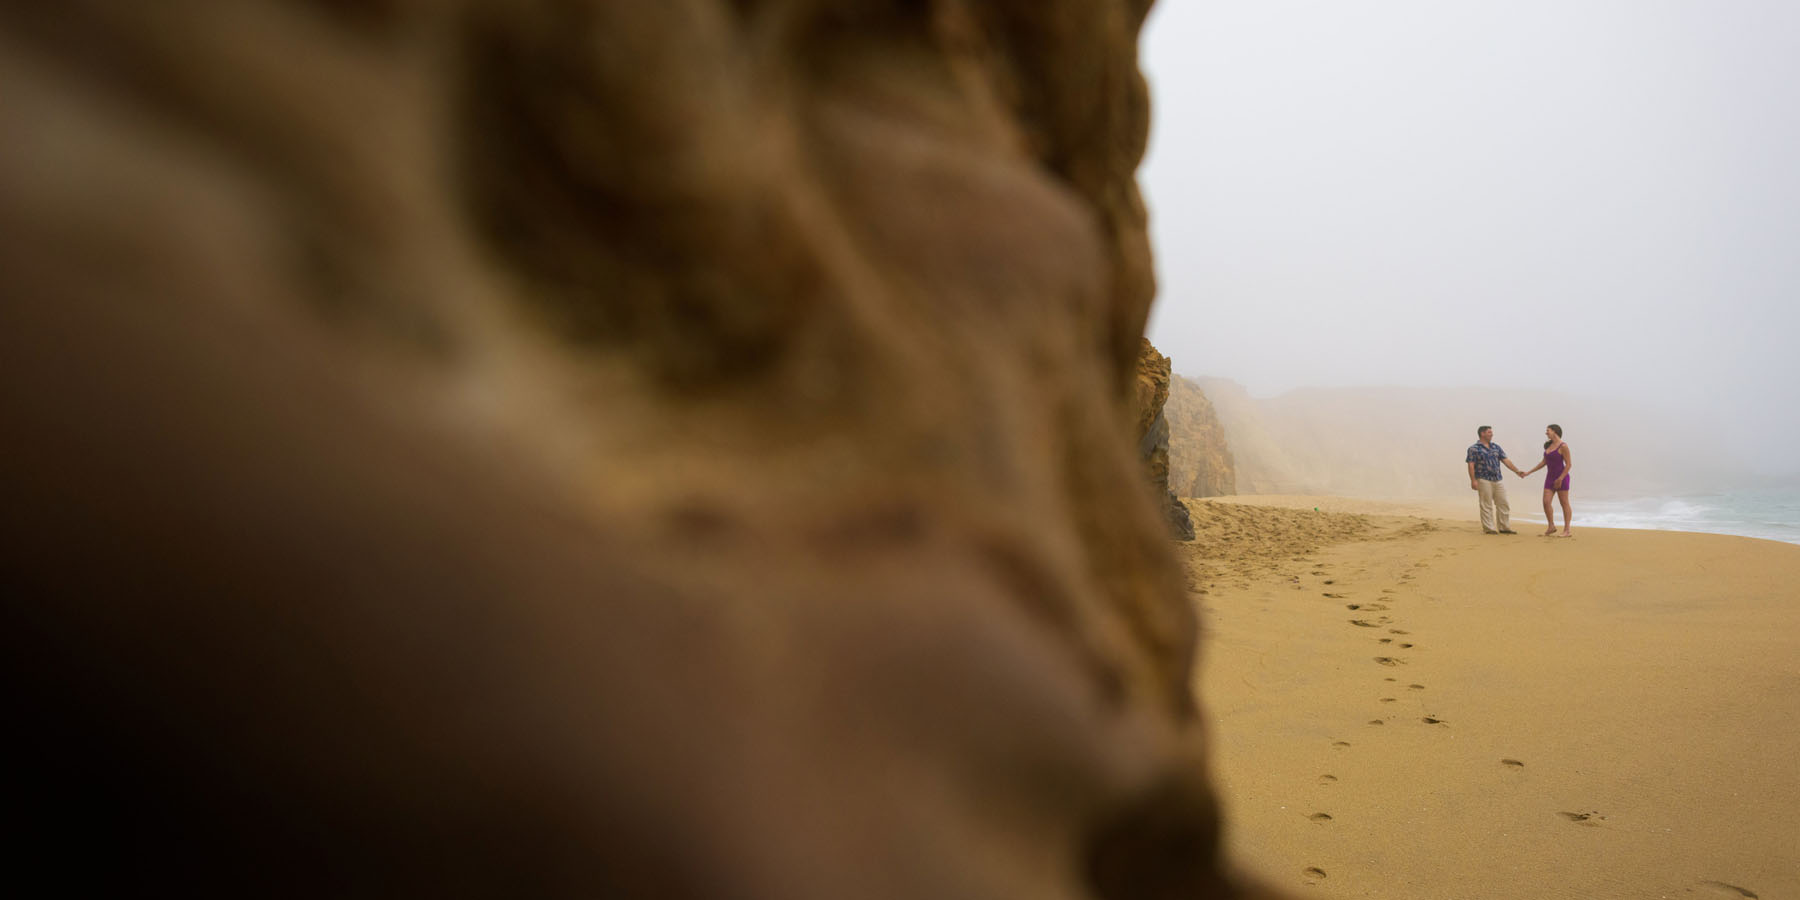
(1485, 531)
(1507, 531)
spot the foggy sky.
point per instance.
(1596, 197)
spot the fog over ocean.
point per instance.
(1406, 444)
(1593, 200)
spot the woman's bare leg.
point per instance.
(1549, 514)
(1567, 513)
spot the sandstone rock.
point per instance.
(565, 447)
(1200, 459)
(1148, 402)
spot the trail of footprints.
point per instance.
(1390, 638)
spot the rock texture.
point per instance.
(1200, 460)
(567, 447)
(1148, 403)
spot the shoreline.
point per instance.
(1465, 510)
(1404, 707)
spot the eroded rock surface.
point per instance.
(1149, 402)
(668, 449)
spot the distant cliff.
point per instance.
(1149, 400)
(1200, 461)
(1408, 443)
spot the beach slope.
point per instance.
(1404, 707)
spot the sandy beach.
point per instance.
(1404, 707)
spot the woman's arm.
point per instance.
(1535, 468)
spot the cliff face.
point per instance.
(591, 448)
(1408, 443)
(1150, 399)
(1200, 459)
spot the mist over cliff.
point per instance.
(1408, 443)
(1200, 460)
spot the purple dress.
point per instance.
(1554, 460)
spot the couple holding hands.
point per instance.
(1485, 459)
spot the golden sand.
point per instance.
(1404, 707)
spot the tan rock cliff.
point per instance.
(1149, 401)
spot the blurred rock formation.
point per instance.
(567, 447)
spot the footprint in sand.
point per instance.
(1384, 640)
(1512, 764)
(1376, 607)
(1415, 687)
(1362, 624)
(1328, 779)
(1433, 720)
(1389, 591)
(1339, 745)
(1588, 819)
(1336, 596)
(1387, 699)
(1398, 631)
(1390, 661)
(1376, 722)
(1321, 818)
(1730, 890)
(1402, 646)
(1312, 874)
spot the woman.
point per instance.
(1556, 481)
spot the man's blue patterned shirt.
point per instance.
(1486, 459)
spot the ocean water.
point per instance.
(1769, 514)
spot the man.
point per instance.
(1485, 458)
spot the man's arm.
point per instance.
(1472, 485)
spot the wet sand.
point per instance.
(1404, 707)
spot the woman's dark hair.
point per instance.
(1557, 429)
(1546, 445)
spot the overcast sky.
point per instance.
(1601, 196)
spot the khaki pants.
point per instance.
(1494, 508)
